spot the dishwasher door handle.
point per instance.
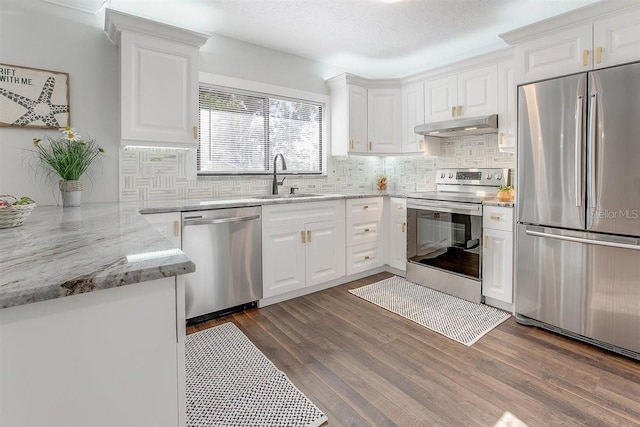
(229, 220)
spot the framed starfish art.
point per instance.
(34, 98)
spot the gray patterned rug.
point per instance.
(455, 318)
(231, 383)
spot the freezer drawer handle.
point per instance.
(220, 220)
(583, 240)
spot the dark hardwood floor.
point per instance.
(363, 365)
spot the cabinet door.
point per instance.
(478, 92)
(169, 225)
(384, 123)
(440, 96)
(497, 265)
(562, 53)
(616, 40)
(398, 242)
(159, 91)
(507, 107)
(325, 251)
(412, 116)
(283, 260)
(357, 119)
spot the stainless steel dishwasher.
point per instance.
(226, 246)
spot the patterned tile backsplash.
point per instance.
(160, 174)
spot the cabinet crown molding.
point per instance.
(115, 22)
(344, 79)
(586, 14)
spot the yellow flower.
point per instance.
(36, 142)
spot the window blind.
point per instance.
(241, 132)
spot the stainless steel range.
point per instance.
(444, 231)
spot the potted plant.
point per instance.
(68, 157)
(505, 193)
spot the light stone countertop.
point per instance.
(498, 203)
(62, 252)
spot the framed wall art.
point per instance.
(34, 98)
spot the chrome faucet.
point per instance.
(274, 188)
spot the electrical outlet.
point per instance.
(147, 169)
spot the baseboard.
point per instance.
(340, 281)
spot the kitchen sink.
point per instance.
(287, 196)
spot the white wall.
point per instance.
(37, 34)
(40, 35)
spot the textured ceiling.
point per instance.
(366, 37)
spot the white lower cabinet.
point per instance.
(497, 254)
(299, 251)
(398, 233)
(364, 234)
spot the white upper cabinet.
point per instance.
(600, 35)
(413, 106)
(507, 107)
(440, 99)
(384, 119)
(364, 120)
(158, 81)
(357, 102)
(616, 40)
(561, 53)
(478, 92)
(467, 94)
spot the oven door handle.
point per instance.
(450, 207)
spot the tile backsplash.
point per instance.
(160, 174)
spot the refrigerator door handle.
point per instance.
(578, 147)
(591, 172)
(609, 243)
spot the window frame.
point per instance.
(255, 88)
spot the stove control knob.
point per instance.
(451, 175)
(498, 176)
(488, 176)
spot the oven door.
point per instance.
(445, 236)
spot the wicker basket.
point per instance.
(14, 215)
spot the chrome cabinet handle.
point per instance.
(485, 242)
(195, 132)
(176, 228)
(309, 236)
(495, 217)
(578, 147)
(459, 110)
(404, 227)
(302, 235)
(585, 57)
(370, 146)
(598, 55)
(453, 111)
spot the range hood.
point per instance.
(471, 126)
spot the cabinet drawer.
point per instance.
(364, 229)
(497, 218)
(398, 207)
(301, 213)
(364, 257)
(369, 205)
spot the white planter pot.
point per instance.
(71, 192)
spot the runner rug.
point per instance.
(229, 382)
(453, 317)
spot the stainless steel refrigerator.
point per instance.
(578, 207)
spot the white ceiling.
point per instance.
(370, 38)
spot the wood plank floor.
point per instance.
(363, 365)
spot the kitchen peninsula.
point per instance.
(91, 329)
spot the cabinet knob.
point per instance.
(598, 55)
(366, 257)
(366, 230)
(365, 207)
